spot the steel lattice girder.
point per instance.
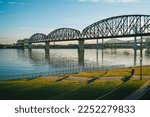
(119, 26)
(64, 34)
(38, 37)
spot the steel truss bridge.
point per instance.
(113, 27)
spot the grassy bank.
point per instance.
(145, 71)
(72, 89)
(125, 90)
(90, 91)
(40, 88)
(119, 72)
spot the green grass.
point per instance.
(120, 72)
(45, 88)
(145, 70)
(90, 74)
(90, 91)
(125, 90)
(98, 73)
(35, 89)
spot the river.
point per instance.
(18, 61)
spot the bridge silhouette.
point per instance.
(113, 27)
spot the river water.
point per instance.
(17, 61)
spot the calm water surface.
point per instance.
(15, 62)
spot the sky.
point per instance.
(21, 19)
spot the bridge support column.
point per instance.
(22, 46)
(30, 46)
(141, 57)
(81, 53)
(135, 49)
(46, 45)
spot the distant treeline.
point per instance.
(70, 46)
(9, 46)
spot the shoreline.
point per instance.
(47, 76)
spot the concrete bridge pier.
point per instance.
(46, 45)
(141, 48)
(81, 53)
(135, 50)
(22, 46)
(29, 46)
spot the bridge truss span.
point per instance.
(119, 26)
(38, 37)
(64, 34)
(113, 27)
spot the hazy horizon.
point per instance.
(20, 19)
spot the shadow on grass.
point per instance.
(95, 78)
(125, 79)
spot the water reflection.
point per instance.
(114, 51)
(81, 59)
(38, 60)
(47, 55)
(30, 53)
(126, 53)
(102, 55)
(113, 56)
(147, 54)
(97, 56)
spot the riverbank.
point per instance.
(72, 46)
(76, 86)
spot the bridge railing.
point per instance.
(71, 70)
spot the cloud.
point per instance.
(109, 1)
